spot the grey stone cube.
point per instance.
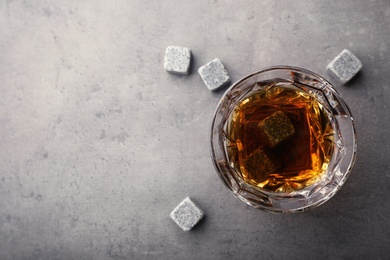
(214, 74)
(177, 60)
(345, 66)
(186, 215)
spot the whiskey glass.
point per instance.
(304, 177)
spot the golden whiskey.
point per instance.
(280, 137)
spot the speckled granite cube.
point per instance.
(260, 172)
(345, 66)
(186, 215)
(276, 128)
(214, 74)
(177, 60)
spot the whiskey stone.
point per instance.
(276, 128)
(177, 60)
(345, 66)
(260, 164)
(214, 74)
(186, 215)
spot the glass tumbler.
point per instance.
(283, 139)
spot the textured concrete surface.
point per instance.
(99, 142)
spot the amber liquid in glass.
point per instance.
(301, 153)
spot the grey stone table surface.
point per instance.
(99, 143)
